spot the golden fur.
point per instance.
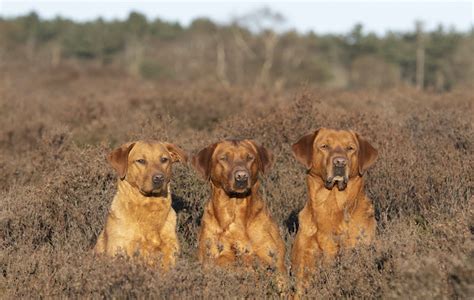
(236, 222)
(141, 220)
(337, 213)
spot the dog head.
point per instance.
(233, 165)
(335, 155)
(146, 165)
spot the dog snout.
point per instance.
(241, 176)
(339, 161)
(158, 178)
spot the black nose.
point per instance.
(241, 176)
(158, 178)
(339, 161)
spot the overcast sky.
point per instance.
(319, 16)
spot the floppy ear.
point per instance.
(367, 155)
(119, 159)
(177, 154)
(265, 158)
(202, 161)
(303, 149)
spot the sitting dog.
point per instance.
(236, 222)
(338, 213)
(141, 220)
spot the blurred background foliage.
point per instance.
(250, 51)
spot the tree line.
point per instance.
(247, 51)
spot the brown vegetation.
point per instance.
(58, 124)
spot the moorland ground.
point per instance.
(58, 123)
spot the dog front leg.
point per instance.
(359, 232)
(305, 253)
(100, 244)
(214, 249)
(328, 246)
(170, 250)
(169, 244)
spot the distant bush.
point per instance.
(373, 72)
(153, 70)
(243, 53)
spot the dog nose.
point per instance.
(241, 176)
(339, 161)
(158, 178)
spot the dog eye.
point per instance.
(164, 159)
(250, 157)
(350, 148)
(141, 161)
(223, 158)
(324, 146)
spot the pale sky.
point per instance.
(319, 16)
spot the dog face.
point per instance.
(335, 155)
(146, 165)
(233, 165)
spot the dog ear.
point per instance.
(202, 161)
(265, 157)
(177, 154)
(118, 158)
(303, 149)
(367, 155)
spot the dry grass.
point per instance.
(56, 187)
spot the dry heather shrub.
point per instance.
(56, 186)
